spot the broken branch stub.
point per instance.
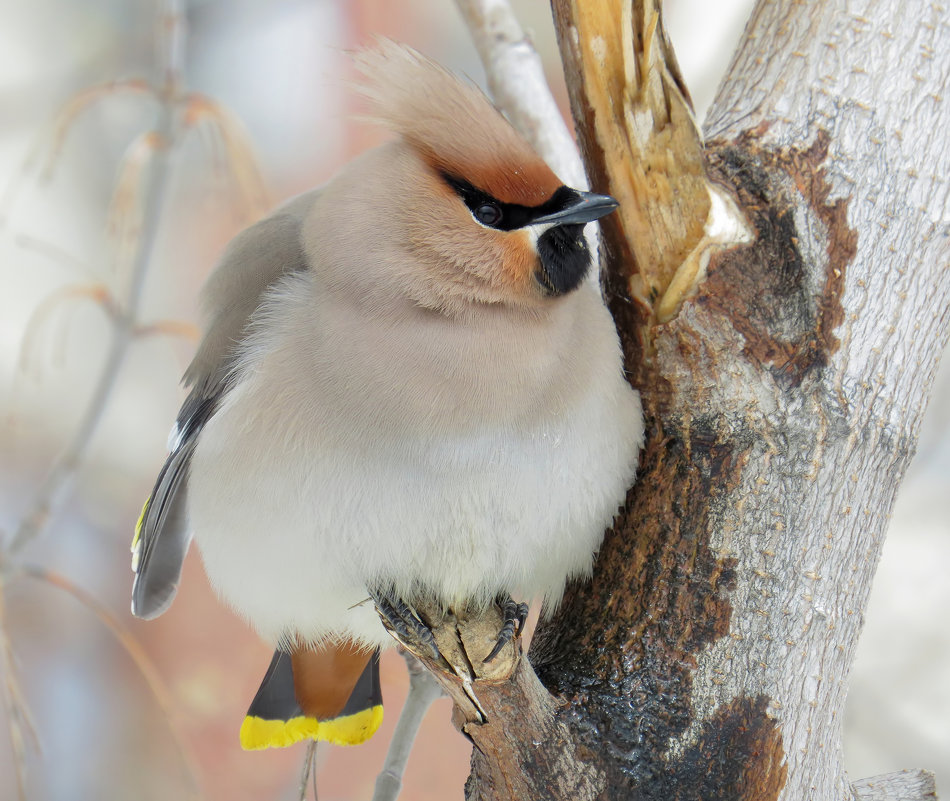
(523, 749)
(464, 640)
(642, 145)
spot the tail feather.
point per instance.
(331, 694)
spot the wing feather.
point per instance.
(256, 259)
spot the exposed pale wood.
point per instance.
(640, 140)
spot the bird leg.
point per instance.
(452, 644)
(515, 615)
(405, 625)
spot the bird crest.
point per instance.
(452, 124)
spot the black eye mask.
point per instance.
(491, 212)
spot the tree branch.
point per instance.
(424, 690)
(908, 785)
(709, 655)
(518, 86)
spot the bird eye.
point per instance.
(488, 214)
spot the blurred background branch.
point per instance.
(150, 155)
(516, 82)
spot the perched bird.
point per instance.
(407, 391)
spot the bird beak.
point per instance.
(584, 207)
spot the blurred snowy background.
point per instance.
(278, 66)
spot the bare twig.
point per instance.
(79, 103)
(156, 180)
(518, 86)
(308, 771)
(51, 146)
(905, 785)
(229, 141)
(423, 691)
(170, 328)
(43, 314)
(135, 651)
(54, 253)
(19, 721)
(135, 216)
(125, 215)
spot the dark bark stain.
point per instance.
(630, 316)
(738, 756)
(523, 751)
(766, 289)
(625, 664)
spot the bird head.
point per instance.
(481, 215)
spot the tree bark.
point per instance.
(906, 785)
(783, 384)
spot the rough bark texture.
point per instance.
(708, 657)
(904, 786)
(547, 764)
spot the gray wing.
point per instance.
(256, 259)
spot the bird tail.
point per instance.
(329, 694)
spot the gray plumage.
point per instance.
(255, 260)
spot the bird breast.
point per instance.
(459, 458)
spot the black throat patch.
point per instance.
(565, 258)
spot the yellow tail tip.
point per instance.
(258, 733)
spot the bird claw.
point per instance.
(416, 636)
(405, 625)
(515, 615)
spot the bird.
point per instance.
(409, 390)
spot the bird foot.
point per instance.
(405, 625)
(426, 633)
(515, 615)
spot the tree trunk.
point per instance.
(783, 382)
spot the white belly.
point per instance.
(293, 532)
